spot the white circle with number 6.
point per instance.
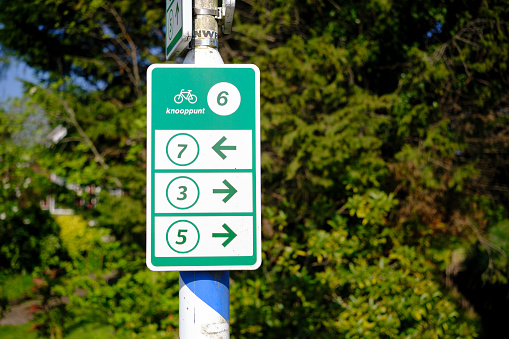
(182, 236)
(223, 98)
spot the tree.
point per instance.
(384, 129)
(29, 236)
(93, 57)
(367, 118)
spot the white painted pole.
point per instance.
(204, 297)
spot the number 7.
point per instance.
(184, 146)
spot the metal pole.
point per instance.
(205, 36)
(204, 305)
(204, 297)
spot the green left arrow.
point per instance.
(230, 191)
(230, 235)
(219, 148)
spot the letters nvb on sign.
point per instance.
(203, 168)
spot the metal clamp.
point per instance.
(224, 14)
(206, 42)
(217, 12)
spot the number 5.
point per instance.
(180, 235)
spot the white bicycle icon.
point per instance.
(179, 98)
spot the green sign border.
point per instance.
(201, 263)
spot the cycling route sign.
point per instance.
(179, 27)
(203, 168)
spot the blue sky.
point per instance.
(10, 83)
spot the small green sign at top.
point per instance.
(179, 27)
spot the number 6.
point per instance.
(222, 99)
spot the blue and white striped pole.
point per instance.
(204, 297)
(204, 305)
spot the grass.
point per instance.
(85, 331)
(92, 330)
(17, 332)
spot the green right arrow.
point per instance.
(230, 191)
(230, 235)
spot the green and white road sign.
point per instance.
(179, 26)
(203, 168)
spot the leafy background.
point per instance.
(384, 169)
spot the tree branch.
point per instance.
(132, 51)
(97, 156)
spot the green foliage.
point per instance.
(28, 235)
(499, 236)
(75, 236)
(359, 120)
(16, 286)
(13, 287)
(143, 302)
(352, 288)
(50, 313)
(492, 256)
(419, 310)
(371, 207)
(384, 154)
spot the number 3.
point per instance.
(183, 192)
